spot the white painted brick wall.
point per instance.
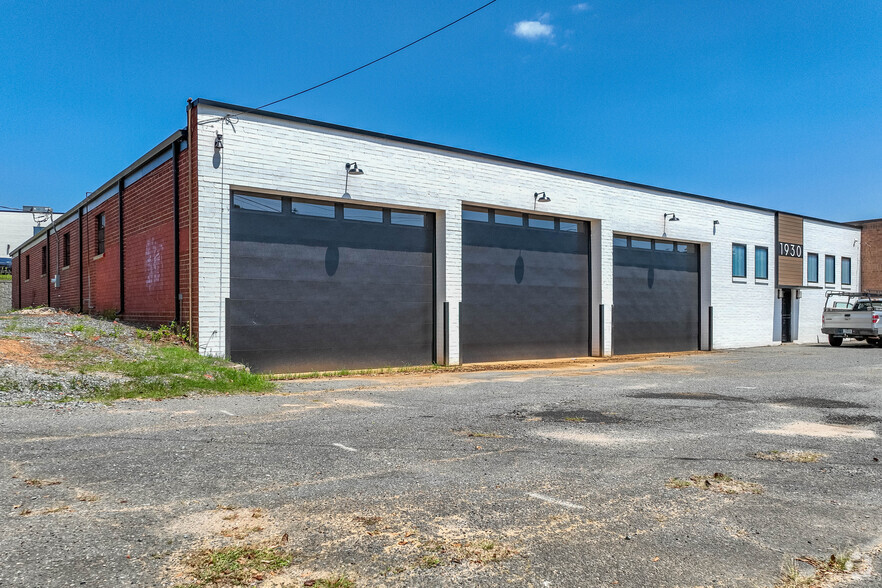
(825, 239)
(268, 154)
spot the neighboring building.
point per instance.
(871, 253)
(259, 232)
(16, 227)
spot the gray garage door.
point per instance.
(655, 295)
(324, 286)
(525, 287)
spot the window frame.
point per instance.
(65, 250)
(842, 274)
(27, 267)
(743, 274)
(827, 267)
(808, 268)
(100, 227)
(756, 263)
(44, 261)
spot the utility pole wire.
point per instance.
(361, 67)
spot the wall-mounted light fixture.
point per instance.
(540, 197)
(218, 142)
(665, 224)
(716, 222)
(352, 169)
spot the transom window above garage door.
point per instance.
(265, 204)
(655, 244)
(480, 214)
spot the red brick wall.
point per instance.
(67, 294)
(871, 255)
(149, 247)
(16, 278)
(33, 290)
(101, 272)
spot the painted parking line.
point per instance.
(341, 446)
(227, 412)
(552, 500)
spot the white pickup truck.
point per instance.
(854, 315)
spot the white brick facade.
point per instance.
(275, 155)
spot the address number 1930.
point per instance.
(789, 249)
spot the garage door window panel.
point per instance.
(257, 203)
(314, 209)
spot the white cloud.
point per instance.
(533, 30)
(581, 7)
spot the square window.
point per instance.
(829, 269)
(641, 243)
(576, 227)
(620, 241)
(761, 263)
(739, 260)
(664, 246)
(812, 268)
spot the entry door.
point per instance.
(327, 286)
(786, 313)
(655, 295)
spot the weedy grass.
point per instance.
(78, 355)
(339, 581)
(717, 483)
(238, 565)
(5, 277)
(790, 456)
(172, 371)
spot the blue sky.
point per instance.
(777, 104)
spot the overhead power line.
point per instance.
(361, 67)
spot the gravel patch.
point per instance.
(41, 351)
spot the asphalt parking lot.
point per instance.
(592, 474)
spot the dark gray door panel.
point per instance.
(324, 294)
(655, 300)
(526, 293)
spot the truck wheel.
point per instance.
(834, 340)
(878, 342)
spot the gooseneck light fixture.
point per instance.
(539, 197)
(352, 169)
(665, 224)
